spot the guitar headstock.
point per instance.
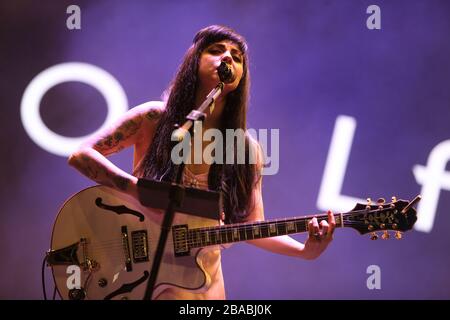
(398, 216)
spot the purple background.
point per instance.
(310, 62)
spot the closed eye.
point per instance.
(215, 51)
(237, 58)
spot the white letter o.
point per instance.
(104, 82)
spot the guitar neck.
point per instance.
(202, 237)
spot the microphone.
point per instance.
(225, 72)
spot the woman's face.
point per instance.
(211, 58)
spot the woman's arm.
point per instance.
(288, 246)
(90, 159)
(319, 236)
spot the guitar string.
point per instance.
(227, 229)
(224, 230)
(232, 228)
(191, 240)
(211, 230)
(117, 252)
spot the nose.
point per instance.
(227, 57)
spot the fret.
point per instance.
(218, 239)
(300, 225)
(273, 229)
(213, 237)
(243, 234)
(256, 231)
(207, 240)
(198, 238)
(265, 230)
(202, 238)
(223, 236)
(249, 233)
(229, 235)
(236, 236)
(281, 229)
(189, 237)
(193, 239)
(290, 227)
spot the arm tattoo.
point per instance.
(108, 144)
(88, 168)
(153, 114)
(120, 182)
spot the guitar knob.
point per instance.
(373, 236)
(398, 235)
(102, 282)
(394, 199)
(77, 294)
(385, 235)
(381, 201)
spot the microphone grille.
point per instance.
(225, 73)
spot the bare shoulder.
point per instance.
(128, 130)
(151, 110)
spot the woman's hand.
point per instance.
(319, 236)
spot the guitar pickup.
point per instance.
(139, 242)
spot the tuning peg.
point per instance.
(385, 235)
(394, 199)
(369, 203)
(398, 235)
(373, 236)
(381, 201)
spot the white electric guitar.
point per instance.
(112, 238)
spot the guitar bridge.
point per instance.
(126, 248)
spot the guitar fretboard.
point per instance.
(202, 237)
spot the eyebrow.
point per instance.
(222, 46)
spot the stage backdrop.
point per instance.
(358, 91)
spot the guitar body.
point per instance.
(113, 239)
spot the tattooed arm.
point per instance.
(90, 159)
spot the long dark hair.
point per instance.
(235, 181)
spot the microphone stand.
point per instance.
(198, 114)
(176, 193)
